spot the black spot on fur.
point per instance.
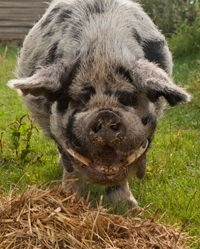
(60, 95)
(153, 123)
(69, 75)
(64, 16)
(149, 119)
(85, 94)
(96, 7)
(141, 166)
(62, 103)
(173, 98)
(66, 161)
(60, 55)
(69, 132)
(153, 95)
(89, 89)
(108, 92)
(127, 98)
(125, 73)
(52, 53)
(76, 34)
(137, 36)
(78, 53)
(50, 16)
(48, 34)
(154, 52)
(33, 64)
(145, 120)
(76, 28)
(109, 190)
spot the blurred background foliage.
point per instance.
(170, 14)
(179, 20)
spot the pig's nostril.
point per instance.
(115, 127)
(106, 127)
(101, 127)
(96, 128)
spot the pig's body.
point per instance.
(93, 74)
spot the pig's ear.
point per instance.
(155, 82)
(50, 81)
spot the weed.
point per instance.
(185, 41)
(20, 132)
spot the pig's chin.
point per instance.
(108, 166)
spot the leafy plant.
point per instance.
(185, 40)
(170, 14)
(20, 133)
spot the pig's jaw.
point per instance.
(110, 171)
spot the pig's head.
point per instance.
(103, 117)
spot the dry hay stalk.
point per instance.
(49, 219)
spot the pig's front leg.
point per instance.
(121, 193)
(72, 182)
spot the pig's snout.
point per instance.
(106, 129)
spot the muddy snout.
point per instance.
(106, 129)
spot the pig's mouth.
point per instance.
(110, 171)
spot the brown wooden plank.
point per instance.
(17, 17)
(14, 30)
(11, 11)
(31, 4)
(26, 1)
(18, 23)
(4, 37)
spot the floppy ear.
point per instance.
(50, 81)
(155, 82)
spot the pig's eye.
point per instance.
(127, 98)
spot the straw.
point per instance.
(48, 218)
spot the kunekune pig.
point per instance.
(95, 75)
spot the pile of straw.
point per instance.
(48, 218)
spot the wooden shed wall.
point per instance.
(17, 17)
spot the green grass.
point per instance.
(172, 182)
(41, 162)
